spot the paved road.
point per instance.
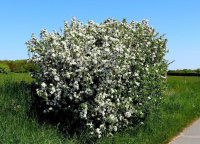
(190, 135)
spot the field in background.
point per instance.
(181, 105)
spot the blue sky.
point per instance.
(178, 19)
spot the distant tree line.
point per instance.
(17, 66)
(22, 66)
(184, 72)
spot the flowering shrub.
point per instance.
(107, 75)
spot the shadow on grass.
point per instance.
(65, 121)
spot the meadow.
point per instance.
(180, 106)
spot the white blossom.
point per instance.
(43, 85)
(105, 73)
(53, 90)
(115, 128)
(128, 114)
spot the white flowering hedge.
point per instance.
(106, 76)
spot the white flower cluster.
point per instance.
(107, 74)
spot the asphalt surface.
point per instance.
(190, 135)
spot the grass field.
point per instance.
(180, 106)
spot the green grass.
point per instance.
(16, 127)
(180, 106)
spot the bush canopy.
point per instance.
(104, 77)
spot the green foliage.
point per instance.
(4, 68)
(19, 66)
(184, 72)
(197, 71)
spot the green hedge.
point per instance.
(184, 72)
(4, 68)
(18, 66)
